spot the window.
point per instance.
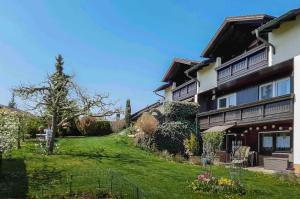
(227, 101)
(275, 89)
(283, 87)
(275, 141)
(268, 142)
(283, 142)
(232, 100)
(222, 103)
(266, 91)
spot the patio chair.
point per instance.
(240, 156)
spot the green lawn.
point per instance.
(158, 178)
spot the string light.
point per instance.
(265, 127)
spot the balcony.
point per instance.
(275, 109)
(185, 90)
(242, 65)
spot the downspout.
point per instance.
(264, 41)
(196, 118)
(189, 76)
(156, 93)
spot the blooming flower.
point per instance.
(9, 127)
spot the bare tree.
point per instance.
(61, 99)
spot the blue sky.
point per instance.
(120, 47)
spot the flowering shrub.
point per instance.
(208, 183)
(9, 127)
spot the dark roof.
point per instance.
(199, 66)
(176, 64)
(137, 114)
(246, 22)
(162, 87)
(275, 23)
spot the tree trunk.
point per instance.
(54, 131)
(19, 136)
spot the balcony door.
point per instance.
(233, 141)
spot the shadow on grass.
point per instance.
(99, 155)
(45, 179)
(13, 179)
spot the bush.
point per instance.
(178, 111)
(117, 126)
(147, 123)
(192, 145)
(170, 136)
(32, 126)
(70, 129)
(143, 140)
(90, 126)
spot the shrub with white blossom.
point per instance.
(9, 127)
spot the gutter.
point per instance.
(264, 41)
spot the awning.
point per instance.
(218, 128)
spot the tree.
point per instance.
(62, 100)
(12, 103)
(128, 113)
(212, 142)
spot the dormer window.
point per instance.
(227, 101)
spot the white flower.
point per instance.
(9, 124)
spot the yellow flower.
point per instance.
(225, 182)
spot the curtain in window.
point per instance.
(283, 142)
(266, 91)
(267, 141)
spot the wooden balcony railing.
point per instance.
(184, 91)
(244, 64)
(275, 109)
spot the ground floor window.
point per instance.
(283, 142)
(275, 142)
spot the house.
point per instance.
(248, 87)
(177, 85)
(155, 106)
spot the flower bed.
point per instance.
(208, 183)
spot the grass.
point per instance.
(158, 177)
